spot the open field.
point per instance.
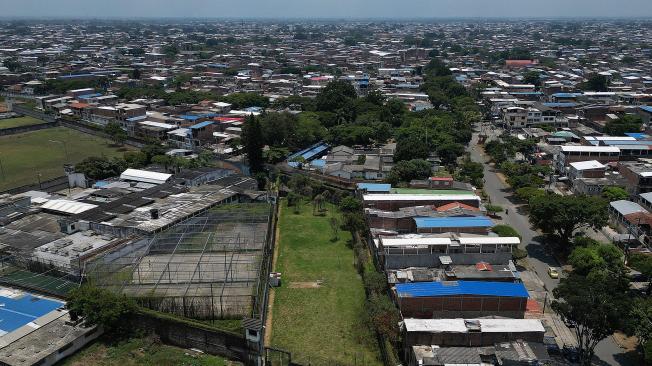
(24, 156)
(318, 310)
(19, 122)
(139, 352)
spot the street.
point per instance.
(607, 351)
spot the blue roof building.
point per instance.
(375, 187)
(461, 288)
(470, 224)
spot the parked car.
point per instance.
(553, 272)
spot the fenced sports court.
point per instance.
(211, 266)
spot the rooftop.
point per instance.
(457, 288)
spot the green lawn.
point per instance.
(24, 156)
(138, 352)
(326, 323)
(19, 122)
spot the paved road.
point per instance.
(607, 351)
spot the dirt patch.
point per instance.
(625, 342)
(315, 284)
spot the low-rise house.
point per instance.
(454, 299)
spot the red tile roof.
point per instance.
(454, 205)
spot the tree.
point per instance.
(100, 167)
(472, 172)
(532, 77)
(614, 194)
(375, 282)
(12, 64)
(383, 316)
(594, 305)
(623, 125)
(527, 193)
(151, 150)
(560, 215)
(164, 160)
(336, 95)
(353, 222)
(643, 264)
(252, 138)
(115, 132)
(135, 74)
(596, 257)
(596, 82)
(275, 155)
(135, 159)
(335, 227)
(113, 312)
(350, 204)
(405, 171)
(639, 320)
(449, 152)
(409, 148)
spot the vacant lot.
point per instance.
(24, 156)
(139, 352)
(19, 122)
(319, 310)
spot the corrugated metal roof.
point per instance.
(626, 207)
(455, 288)
(145, 176)
(473, 221)
(67, 206)
(490, 240)
(375, 187)
(420, 197)
(486, 325)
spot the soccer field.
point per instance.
(19, 122)
(26, 157)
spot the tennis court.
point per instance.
(19, 308)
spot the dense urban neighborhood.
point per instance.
(204, 192)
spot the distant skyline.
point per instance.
(324, 9)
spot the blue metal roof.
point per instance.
(646, 108)
(526, 93)
(375, 187)
(88, 96)
(560, 105)
(566, 95)
(456, 288)
(637, 135)
(311, 152)
(471, 221)
(201, 125)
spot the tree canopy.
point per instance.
(562, 215)
(623, 125)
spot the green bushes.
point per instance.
(505, 230)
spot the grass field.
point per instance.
(24, 156)
(19, 122)
(138, 352)
(325, 323)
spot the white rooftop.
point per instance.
(419, 197)
(582, 148)
(67, 206)
(145, 176)
(486, 325)
(585, 165)
(400, 242)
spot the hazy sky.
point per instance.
(325, 8)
